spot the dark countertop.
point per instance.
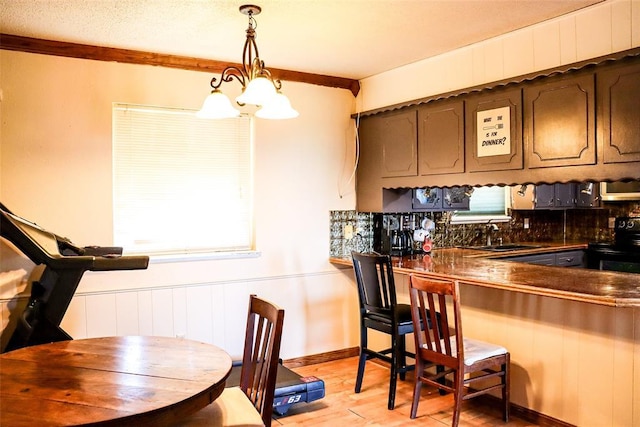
(485, 268)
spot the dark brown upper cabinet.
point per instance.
(491, 119)
(391, 139)
(441, 137)
(577, 123)
(619, 113)
(559, 121)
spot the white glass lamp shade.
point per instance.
(259, 91)
(217, 106)
(278, 108)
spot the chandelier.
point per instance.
(258, 86)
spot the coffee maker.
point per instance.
(390, 236)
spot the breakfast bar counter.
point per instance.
(573, 333)
(483, 268)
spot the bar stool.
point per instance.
(379, 310)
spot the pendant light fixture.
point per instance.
(258, 87)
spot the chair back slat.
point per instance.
(261, 352)
(376, 285)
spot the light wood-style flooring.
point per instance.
(342, 407)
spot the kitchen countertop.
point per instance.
(485, 268)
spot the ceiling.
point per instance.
(345, 38)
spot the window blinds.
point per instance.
(181, 184)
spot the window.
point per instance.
(181, 184)
(486, 204)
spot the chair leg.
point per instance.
(505, 392)
(362, 359)
(393, 377)
(417, 387)
(402, 356)
(458, 378)
(442, 380)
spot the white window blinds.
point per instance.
(486, 203)
(181, 184)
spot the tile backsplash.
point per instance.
(351, 230)
(360, 237)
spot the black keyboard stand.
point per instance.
(291, 388)
(64, 264)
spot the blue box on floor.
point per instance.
(291, 388)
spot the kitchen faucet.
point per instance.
(490, 228)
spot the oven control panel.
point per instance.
(628, 225)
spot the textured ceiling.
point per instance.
(345, 38)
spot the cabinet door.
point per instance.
(398, 143)
(619, 113)
(427, 199)
(486, 149)
(588, 195)
(559, 121)
(565, 195)
(455, 198)
(545, 196)
(541, 259)
(555, 196)
(570, 259)
(441, 137)
(389, 144)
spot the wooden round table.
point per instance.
(132, 380)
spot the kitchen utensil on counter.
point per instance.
(428, 226)
(420, 234)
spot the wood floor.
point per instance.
(342, 407)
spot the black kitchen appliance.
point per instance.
(623, 254)
(391, 235)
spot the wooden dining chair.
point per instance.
(446, 349)
(379, 310)
(251, 403)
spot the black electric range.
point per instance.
(621, 255)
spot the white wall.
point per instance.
(56, 170)
(607, 27)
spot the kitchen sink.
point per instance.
(503, 248)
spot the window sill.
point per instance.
(479, 219)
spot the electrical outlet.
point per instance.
(612, 222)
(526, 223)
(348, 231)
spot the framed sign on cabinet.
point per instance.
(494, 131)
